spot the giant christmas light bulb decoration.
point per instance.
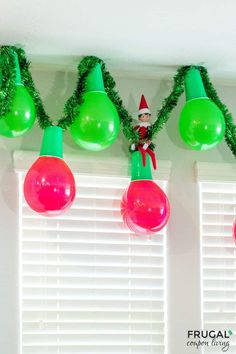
(22, 115)
(201, 123)
(49, 185)
(145, 207)
(97, 125)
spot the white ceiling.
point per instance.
(142, 38)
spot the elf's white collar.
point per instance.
(144, 124)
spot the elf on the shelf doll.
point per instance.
(142, 129)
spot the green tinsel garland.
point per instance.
(71, 110)
(230, 131)
(169, 102)
(27, 81)
(8, 78)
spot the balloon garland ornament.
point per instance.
(97, 125)
(22, 114)
(145, 207)
(49, 186)
(201, 123)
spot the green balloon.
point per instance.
(98, 123)
(201, 124)
(21, 117)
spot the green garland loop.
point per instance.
(169, 102)
(72, 106)
(230, 131)
(8, 87)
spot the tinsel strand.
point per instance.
(8, 79)
(43, 118)
(230, 131)
(169, 102)
(71, 109)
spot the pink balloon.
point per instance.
(145, 207)
(49, 186)
(234, 230)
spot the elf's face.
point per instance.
(144, 117)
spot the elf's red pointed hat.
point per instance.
(143, 106)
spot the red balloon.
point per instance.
(234, 230)
(145, 207)
(49, 186)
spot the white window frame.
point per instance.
(98, 166)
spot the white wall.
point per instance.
(183, 239)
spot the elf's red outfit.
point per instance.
(142, 129)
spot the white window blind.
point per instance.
(218, 209)
(87, 284)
